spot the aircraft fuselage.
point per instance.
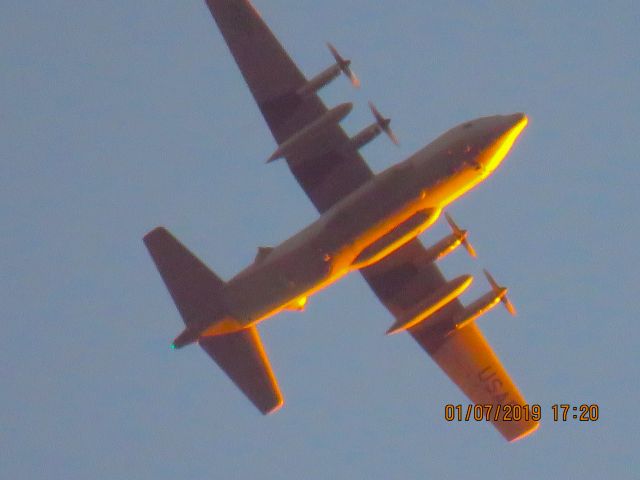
(370, 223)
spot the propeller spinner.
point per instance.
(345, 66)
(501, 292)
(461, 235)
(383, 123)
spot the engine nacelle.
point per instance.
(431, 304)
(367, 134)
(326, 76)
(442, 248)
(476, 309)
(484, 304)
(449, 243)
(319, 81)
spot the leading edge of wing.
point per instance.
(242, 357)
(274, 79)
(271, 75)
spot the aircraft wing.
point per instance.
(401, 279)
(273, 79)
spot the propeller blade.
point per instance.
(377, 115)
(509, 306)
(334, 52)
(469, 248)
(462, 235)
(452, 224)
(344, 65)
(383, 123)
(498, 290)
(355, 81)
(494, 285)
(392, 136)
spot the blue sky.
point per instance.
(120, 116)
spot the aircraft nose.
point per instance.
(513, 125)
(515, 118)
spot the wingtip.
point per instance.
(525, 434)
(273, 409)
(153, 234)
(155, 231)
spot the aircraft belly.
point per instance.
(272, 285)
(327, 249)
(371, 212)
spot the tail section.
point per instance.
(242, 357)
(198, 294)
(195, 289)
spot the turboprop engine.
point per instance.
(367, 134)
(326, 76)
(484, 304)
(449, 243)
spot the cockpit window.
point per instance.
(467, 125)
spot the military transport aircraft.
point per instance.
(367, 222)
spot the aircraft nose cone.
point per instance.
(514, 124)
(515, 118)
(517, 123)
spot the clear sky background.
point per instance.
(116, 117)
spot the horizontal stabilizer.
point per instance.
(195, 289)
(242, 357)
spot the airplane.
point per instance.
(368, 223)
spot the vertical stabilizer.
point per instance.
(195, 289)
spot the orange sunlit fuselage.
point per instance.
(370, 223)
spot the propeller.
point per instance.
(344, 66)
(383, 123)
(461, 235)
(501, 292)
